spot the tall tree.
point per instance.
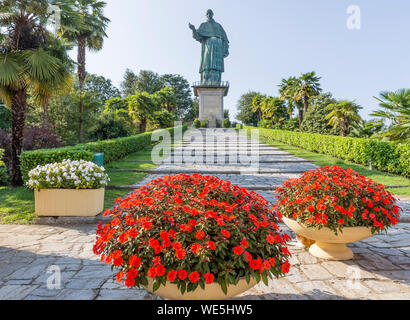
(344, 114)
(142, 107)
(257, 105)
(306, 87)
(244, 106)
(26, 63)
(102, 87)
(85, 26)
(274, 109)
(182, 90)
(396, 111)
(287, 90)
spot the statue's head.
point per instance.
(210, 14)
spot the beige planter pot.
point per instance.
(327, 245)
(212, 291)
(69, 203)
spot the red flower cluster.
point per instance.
(336, 198)
(192, 230)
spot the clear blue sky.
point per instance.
(269, 40)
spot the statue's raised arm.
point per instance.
(215, 47)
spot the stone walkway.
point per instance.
(31, 257)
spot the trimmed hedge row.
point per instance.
(3, 170)
(114, 149)
(385, 156)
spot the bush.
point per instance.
(4, 178)
(204, 124)
(40, 138)
(239, 126)
(113, 150)
(109, 128)
(189, 230)
(340, 198)
(68, 175)
(197, 123)
(385, 156)
(226, 123)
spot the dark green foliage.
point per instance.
(197, 123)
(5, 117)
(226, 123)
(314, 120)
(102, 87)
(109, 127)
(385, 156)
(4, 178)
(246, 115)
(204, 124)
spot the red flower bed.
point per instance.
(192, 231)
(336, 198)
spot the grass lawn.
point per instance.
(17, 204)
(325, 160)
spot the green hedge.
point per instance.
(114, 149)
(385, 156)
(4, 178)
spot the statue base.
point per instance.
(211, 102)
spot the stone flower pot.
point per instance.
(69, 202)
(212, 291)
(327, 245)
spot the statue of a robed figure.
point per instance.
(215, 48)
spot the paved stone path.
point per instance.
(30, 255)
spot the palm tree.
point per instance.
(306, 87)
(287, 90)
(84, 23)
(274, 109)
(257, 105)
(396, 109)
(27, 63)
(142, 107)
(345, 114)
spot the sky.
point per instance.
(269, 40)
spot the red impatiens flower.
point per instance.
(195, 248)
(194, 276)
(182, 274)
(211, 245)
(209, 277)
(244, 243)
(135, 261)
(238, 250)
(172, 275)
(226, 233)
(180, 254)
(200, 234)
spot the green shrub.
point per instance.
(197, 123)
(4, 178)
(204, 124)
(114, 149)
(239, 126)
(385, 156)
(31, 159)
(226, 123)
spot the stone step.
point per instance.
(227, 163)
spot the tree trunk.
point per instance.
(18, 114)
(143, 125)
(300, 117)
(45, 113)
(344, 126)
(81, 79)
(305, 104)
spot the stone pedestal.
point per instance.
(211, 103)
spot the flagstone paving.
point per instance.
(30, 256)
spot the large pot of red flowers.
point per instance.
(193, 237)
(335, 206)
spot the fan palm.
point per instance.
(26, 64)
(287, 90)
(83, 23)
(306, 87)
(396, 109)
(257, 105)
(274, 109)
(344, 115)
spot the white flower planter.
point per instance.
(69, 203)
